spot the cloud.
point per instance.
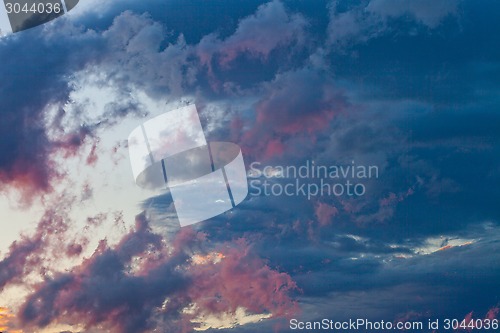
(428, 12)
(324, 213)
(101, 291)
(493, 313)
(26, 256)
(33, 82)
(357, 23)
(129, 55)
(241, 280)
(298, 104)
(271, 27)
(142, 283)
(137, 59)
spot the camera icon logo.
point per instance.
(19, 15)
(204, 179)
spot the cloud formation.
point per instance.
(407, 87)
(140, 283)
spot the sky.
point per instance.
(410, 89)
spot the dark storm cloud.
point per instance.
(421, 110)
(37, 67)
(33, 67)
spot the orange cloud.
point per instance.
(6, 320)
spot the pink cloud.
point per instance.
(29, 179)
(32, 174)
(124, 288)
(469, 322)
(386, 207)
(241, 280)
(92, 156)
(493, 313)
(392, 199)
(324, 213)
(257, 35)
(26, 255)
(299, 105)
